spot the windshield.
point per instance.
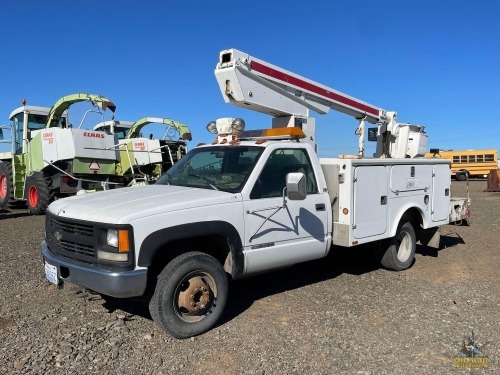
(36, 122)
(219, 168)
(121, 132)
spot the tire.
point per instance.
(6, 185)
(461, 176)
(190, 295)
(39, 193)
(400, 249)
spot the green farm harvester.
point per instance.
(50, 158)
(142, 160)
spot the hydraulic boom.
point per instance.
(251, 83)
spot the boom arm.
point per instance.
(248, 82)
(251, 83)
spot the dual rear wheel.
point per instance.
(399, 251)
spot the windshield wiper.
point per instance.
(209, 182)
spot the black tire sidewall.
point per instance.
(408, 228)
(390, 259)
(162, 303)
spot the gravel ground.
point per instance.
(339, 315)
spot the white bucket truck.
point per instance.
(252, 201)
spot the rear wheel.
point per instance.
(461, 176)
(190, 295)
(6, 185)
(400, 249)
(39, 193)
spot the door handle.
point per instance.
(320, 207)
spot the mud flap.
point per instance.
(430, 237)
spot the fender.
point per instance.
(399, 215)
(161, 237)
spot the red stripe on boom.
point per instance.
(268, 71)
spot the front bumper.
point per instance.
(119, 284)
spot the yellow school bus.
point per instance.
(468, 163)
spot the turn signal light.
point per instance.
(123, 241)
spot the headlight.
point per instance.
(118, 242)
(119, 239)
(112, 237)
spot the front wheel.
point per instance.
(400, 249)
(39, 193)
(190, 295)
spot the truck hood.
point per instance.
(124, 205)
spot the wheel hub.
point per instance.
(195, 297)
(404, 249)
(33, 196)
(3, 186)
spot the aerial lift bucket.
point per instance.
(493, 183)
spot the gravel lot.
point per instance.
(339, 315)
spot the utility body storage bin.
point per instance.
(370, 196)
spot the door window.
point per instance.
(18, 133)
(272, 179)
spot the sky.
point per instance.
(436, 63)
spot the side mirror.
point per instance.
(296, 186)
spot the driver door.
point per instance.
(279, 234)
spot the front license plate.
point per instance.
(51, 273)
